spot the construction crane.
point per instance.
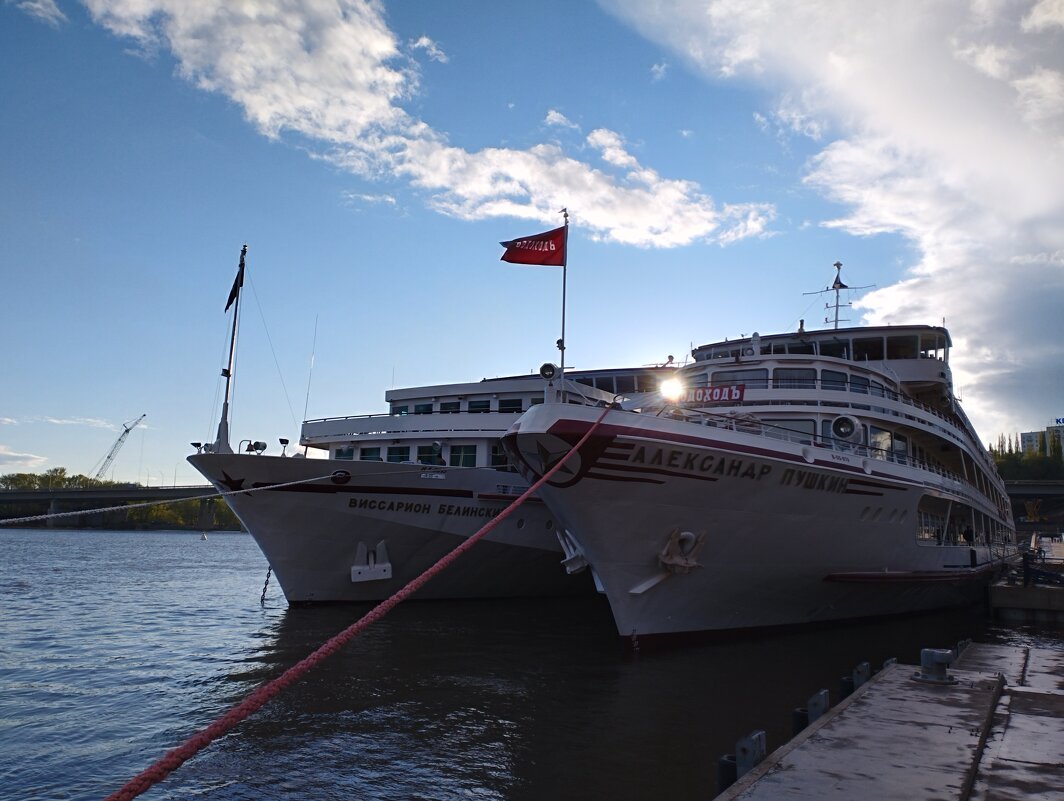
(111, 454)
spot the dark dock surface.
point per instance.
(988, 726)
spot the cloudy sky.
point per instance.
(716, 158)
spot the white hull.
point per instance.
(791, 534)
(311, 532)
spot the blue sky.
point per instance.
(716, 157)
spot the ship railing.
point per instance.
(436, 424)
(815, 396)
(750, 425)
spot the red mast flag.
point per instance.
(238, 282)
(547, 248)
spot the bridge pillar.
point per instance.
(53, 508)
(206, 514)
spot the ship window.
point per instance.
(605, 383)
(800, 347)
(793, 430)
(931, 346)
(585, 380)
(463, 456)
(880, 441)
(902, 347)
(836, 348)
(859, 384)
(510, 405)
(901, 448)
(398, 453)
(476, 406)
(868, 349)
(400, 409)
(794, 378)
(449, 407)
(369, 454)
(422, 408)
(830, 379)
(536, 401)
(647, 383)
(498, 455)
(754, 379)
(430, 454)
(877, 389)
(625, 384)
(345, 452)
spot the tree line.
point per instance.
(1044, 464)
(171, 515)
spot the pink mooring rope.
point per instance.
(259, 697)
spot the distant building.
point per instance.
(1045, 442)
(1031, 442)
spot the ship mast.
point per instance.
(221, 442)
(837, 286)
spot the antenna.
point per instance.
(837, 286)
(310, 372)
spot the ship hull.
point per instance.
(327, 522)
(694, 529)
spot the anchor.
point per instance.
(371, 565)
(679, 556)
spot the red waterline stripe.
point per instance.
(258, 698)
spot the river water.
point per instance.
(116, 646)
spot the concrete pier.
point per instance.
(988, 726)
(1013, 602)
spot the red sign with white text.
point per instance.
(732, 394)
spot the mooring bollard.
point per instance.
(726, 772)
(933, 666)
(845, 687)
(861, 674)
(814, 708)
(818, 704)
(749, 751)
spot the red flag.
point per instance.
(547, 248)
(238, 282)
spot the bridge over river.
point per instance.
(17, 503)
(1038, 506)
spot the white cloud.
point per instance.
(1045, 14)
(10, 459)
(1040, 95)
(332, 72)
(638, 208)
(657, 71)
(431, 49)
(946, 128)
(354, 198)
(89, 422)
(555, 117)
(44, 10)
(8, 421)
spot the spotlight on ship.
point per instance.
(672, 389)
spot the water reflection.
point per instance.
(530, 700)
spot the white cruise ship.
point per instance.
(399, 490)
(797, 478)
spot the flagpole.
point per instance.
(565, 259)
(221, 443)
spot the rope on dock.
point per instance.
(258, 698)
